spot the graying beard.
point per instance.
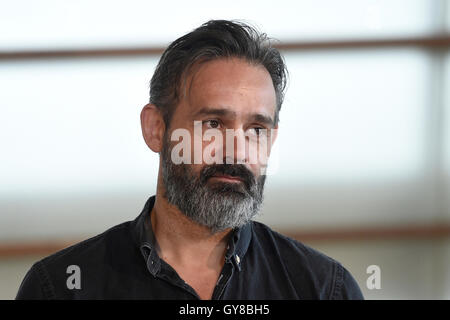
(215, 208)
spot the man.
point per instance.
(215, 99)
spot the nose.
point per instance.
(235, 147)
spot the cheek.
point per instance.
(256, 170)
(214, 144)
(259, 151)
(212, 149)
(196, 169)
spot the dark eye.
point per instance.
(213, 124)
(258, 131)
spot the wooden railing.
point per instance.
(43, 248)
(440, 41)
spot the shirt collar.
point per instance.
(145, 239)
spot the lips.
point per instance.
(228, 178)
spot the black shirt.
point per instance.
(122, 263)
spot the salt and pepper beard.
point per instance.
(214, 204)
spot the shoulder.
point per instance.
(307, 266)
(289, 247)
(93, 247)
(94, 254)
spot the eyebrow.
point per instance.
(224, 112)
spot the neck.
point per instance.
(182, 241)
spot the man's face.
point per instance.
(237, 100)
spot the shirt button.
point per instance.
(238, 260)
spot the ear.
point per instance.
(153, 127)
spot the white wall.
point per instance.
(364, 134)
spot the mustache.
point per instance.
(235, 170)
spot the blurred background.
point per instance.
(362, 163)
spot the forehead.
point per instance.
(233, 83)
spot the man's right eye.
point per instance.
(212, 124)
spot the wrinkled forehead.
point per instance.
(229, 83)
